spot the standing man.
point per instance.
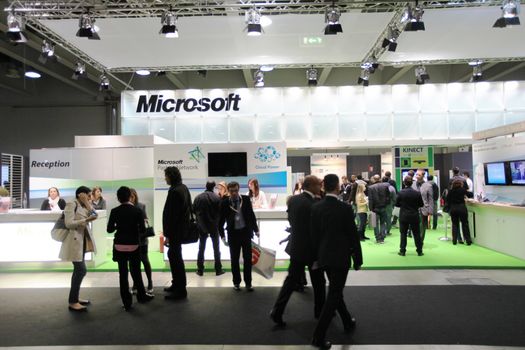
(410, 201)
(378, 199)
(456, 176)
(426, 191)
(470, 184)
(435, 197)
(175, 223)
(337, 242)
(236, 210)
(390, 205)
(302, 251)
(346, 187)
(206, 206)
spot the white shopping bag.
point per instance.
(263, 260)
(372, 220)
(395, 212)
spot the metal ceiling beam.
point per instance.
(248, 78)
(175, 81)
(324, 75)
(398, 75)
(506, 71)
(467, 77)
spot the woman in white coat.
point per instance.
(77, 216)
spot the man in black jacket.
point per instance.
(337, 241)
(302, 251)
(409, 201)
(378, 199)
(237, 211)
(175, 223)
(206, 206)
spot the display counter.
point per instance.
(498, 226)
(25, 238)
(272, 224)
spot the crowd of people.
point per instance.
(322, 238)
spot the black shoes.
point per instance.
(145, 299)
(200, 272)
(236, 287)
(325, 345)
(420, 254)
(278, 319)
(176, 295)
(219, 272)
(401, 253)
(249, 288)
(169, 289)
(350, 326)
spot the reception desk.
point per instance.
(498, 226)
(25, 239)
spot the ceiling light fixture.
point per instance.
(253, 22)
(477, 71)
(47, 52)
(32, 74)
(169, 24)
(266, 68)
(391, 38)
(87, 28)
(14, 28)
(80, 71)
(266, 21)
(311, 75)
(364, 77)
(331, 18)
(258, 79)
(104, 82)
(510, 10)
(413, 16)
(143, 72)
(421, 75)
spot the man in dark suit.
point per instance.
(241, 224)
(175, 223)
(409, 200)
(206, 206)
(337, 242)
(302, 251)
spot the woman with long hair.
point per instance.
(257, 196)
(134, 199)
(53, 201)
(97, 201)
(458, 211)
(361, 201)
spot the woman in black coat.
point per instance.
(128, 221)
(458, 211)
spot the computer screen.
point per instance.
(517, 172)
(495, 174)
(227, 164)
(404, 173)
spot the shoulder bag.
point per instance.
(59, 232)
(191, 235)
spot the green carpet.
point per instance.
(438, 255)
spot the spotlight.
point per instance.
(364, 77)
(169, 24)
(48, 52)
(32, 74)
(143, 72)
(80, 71)
(14, 29)
(371, 64)
(391, 38)
(259, 79)
(87, 28)
(104, 82)
(311, 75)
(331, 18)
(253, 22)
(414, 18)
(202, 73)
(510, 10)
(477, 71)
(266, 68)
(421, 75)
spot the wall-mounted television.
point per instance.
(227, 164)
(404, 173)
(496, 173)
(517, 172)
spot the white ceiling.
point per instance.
(450, 34)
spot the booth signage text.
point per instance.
(157, 104)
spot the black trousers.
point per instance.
(241, 239)
(295, 274)
(458, 212)
(216, 251)
(334, 302)
(423, 226)
(413, 225)
(178, 271)
(133, 260)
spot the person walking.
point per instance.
(335, 235)
(175, 224)
(206, 207)
(128, 222)
(409, 201)
(80, 240)
(237, 212)
(302, 251)
(458, 211)
(144, 258)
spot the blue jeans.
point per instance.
(381, 220)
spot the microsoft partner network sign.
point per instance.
(158, 104)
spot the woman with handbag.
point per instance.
(149, 232)
(128, 222)
(77, 216)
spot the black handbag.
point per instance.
(150, 231)
(192, 233)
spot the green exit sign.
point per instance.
(312, 40)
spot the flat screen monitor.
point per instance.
(404, 173)
(517, 172)
(495, 174)
(227, 164)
